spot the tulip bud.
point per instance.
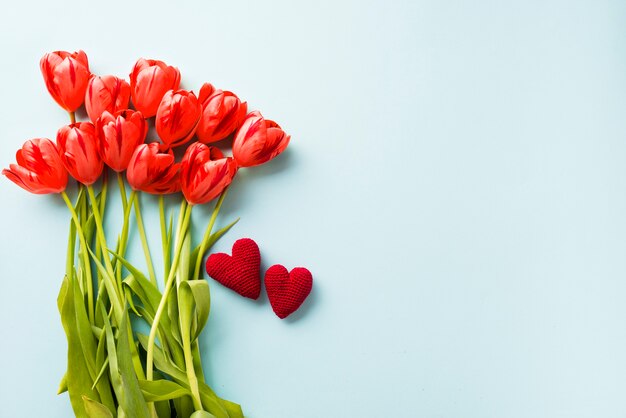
(39, 168)
(203, 178)
(177, 117)
(222, 114)
(79, 151)
(66, 76)
(119, 136)
(153, 171)
(258, 140)
(106, 93)
(149, 81)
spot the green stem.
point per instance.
(73, 117)
(120, 183)
(103, 199)
(115, 294)
(85, 252)
(207, 235)
(181, 229)
(191, 374)
(124, 236)
(185, 324)
(100, 231)
(144, 242)
(103, 193)
(164, 240)
(71, 246)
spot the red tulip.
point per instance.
(66, 76)
(149, 82)
(258, 140)
(106, 93)
(177, 117)
(153, 171)
(204, 178)
(215, 153)
(39, 168)
(222, 113)
(79, 151)
(119, 136)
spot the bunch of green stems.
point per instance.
(115, 370)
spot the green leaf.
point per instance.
(171, 347)
(85, 333)
(108, 281)
(184, 406)
(62, 385)
(101, 374)
(121, 413)
(197, 298)
(161, 361)
(197, 361)
(128, 294)
(186, 308)
(162, 390)
(150, 297)
(219, 407)
(78, 378)
(163, 409)
(234, 410)
(202, 414)
(172, 313)
(132, 400)
(132, 269)
(102, 382)
(125, 384)
(212, 240)
(96, 409)
(202, 297)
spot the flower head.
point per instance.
(222, 114)
(203, 176)
(177, 117)
(153, 171)
(258, 140)
(66, 75)
(149, 81)
(106, 93)
(39, 168)
(79, 151)
(119, 135)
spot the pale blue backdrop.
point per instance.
(455, 183)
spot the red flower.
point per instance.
(66, 76)
(106, 93)
(39, 168)
(153, 171)
(119, 136)
(177, 117)
(78, 148)
(222, 113)
(258, 140)
(149, 82)
(203, 178)
(215, 153)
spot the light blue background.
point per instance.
(455, 182)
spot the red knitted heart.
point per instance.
(240, 272)
(287, 290)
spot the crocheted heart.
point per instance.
(239, 272)
(287, 290)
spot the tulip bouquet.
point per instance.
(113, 368)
